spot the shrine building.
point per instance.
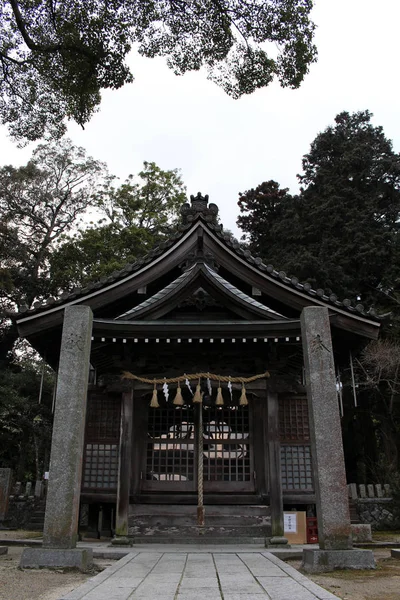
(192, 361)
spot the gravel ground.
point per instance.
(45, 584)
(380, 584)
(35, 584)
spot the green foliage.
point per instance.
(341, 232)
(139, 213)
(56, 58)
(25, 425)
(39, 203)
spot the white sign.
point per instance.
(290, 522)
(46, 475)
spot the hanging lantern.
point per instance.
(198, 396)
(178, 400)
(220, 400)
(243, 398)
(154, 399)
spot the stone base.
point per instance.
(277, 542)
(3, 549)
(395, 553)
(320, 561)
(35, 558)
(121, 541)
(361, 532)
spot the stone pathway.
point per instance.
(208, 575)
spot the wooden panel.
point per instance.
(293, 419)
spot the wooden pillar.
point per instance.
(124, 465)
(274, 465)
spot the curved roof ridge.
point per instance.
(242, 295)
(158, 295)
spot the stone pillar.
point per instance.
(334, 530)
(63, 495)
(5, 491)
(124, 469)
(274, 470)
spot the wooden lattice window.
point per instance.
(103, 420)
(293, 419)
(101, 464)
(296, 468)
(102, 442)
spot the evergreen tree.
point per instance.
(341, 232)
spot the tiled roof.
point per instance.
(231, 289)
(228, 241)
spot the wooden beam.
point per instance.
(274, 463)
(228, 330)
(124, 465)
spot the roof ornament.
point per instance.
(199, 207)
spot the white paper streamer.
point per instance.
(187, 382)
(166, 391)
(209, 386)
(230, 388)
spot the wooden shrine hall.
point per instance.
(194, 362)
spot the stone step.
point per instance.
(144, 531)
(212, 509)
(215, 540)
(167, 520)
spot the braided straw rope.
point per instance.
(200, 500)
(192, 376)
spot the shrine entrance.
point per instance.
(174, 442)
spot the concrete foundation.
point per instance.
(320, 561)
(35, 558)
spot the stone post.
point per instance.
(334, 529)
(124, 469)
(63, 495)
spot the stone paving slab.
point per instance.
(209, 575)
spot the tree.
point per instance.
(341, 232)
(56, 58)
(25, 419)
(39, 203)
(138, 214)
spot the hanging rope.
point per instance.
(200, 495)
(193, 376)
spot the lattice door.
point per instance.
(170, 456)
(172, 447)
(227, 449)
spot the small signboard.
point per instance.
(290, 522)
(294, 525)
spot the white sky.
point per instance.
(225, 146)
